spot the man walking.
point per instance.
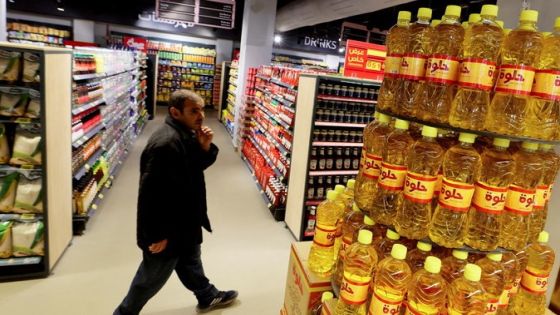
(172, 207)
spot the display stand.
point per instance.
(54, 169)
(228, 113)
(224, 79)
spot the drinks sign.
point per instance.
(364, 60)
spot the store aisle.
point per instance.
(248, 250)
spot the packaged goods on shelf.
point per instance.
(31, 68)
(35, 34)
(5, 239)
(10, 62)
(27, 146)
(28, 239)
(29, 194)
(9, 180)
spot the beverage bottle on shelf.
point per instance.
(384, 245)
(424, 161)
(318, 309)
(417, 256)
(531, 298)
(339, 159)
(313, 160)
(551, 163)
(329, 159)
(481, 47)
(311, 188)
(351, 223)
(366, 181)
(521, 48)
(521, 197)
(509, 262)
(460, 167)
(391, 282)
(396, 41)
(453, 266)
(413, 64)
(377, 230)
(493, 280)
(393, 173)
(433, 98)
(359, 266)
(322, 159)
(321, 255)
(484, 218)
(427, 291)
(466, 294)
(320, 188)
(544, 107)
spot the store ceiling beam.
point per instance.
(311, 12)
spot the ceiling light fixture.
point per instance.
(59, 5)
(277, 39)
(341, 50)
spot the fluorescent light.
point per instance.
(277, 39)
(60, 9)
(341, 49)
(59, 5)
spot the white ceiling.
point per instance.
(311, 12)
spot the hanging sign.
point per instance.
(137, 43)
(364, 60)
(213, 13)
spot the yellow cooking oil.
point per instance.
(522, 261)
(366, 181)
(531, 298)
(393, 173)
(415, 206)
(359, 267)
(453, 267)
(493, 280)
(461, 164)
(484, 218)
(510, 263)
(367, 135)
(341, 200)
(508, 109)
(396, 42)
(391, 282)
(350, 225)
(413, 64)
(520, 198)
(321, 255)
(481, 47)
(433, 98)
(377, 230)
(417, 256)
(466, 294)
(384, 245)
(427, 292)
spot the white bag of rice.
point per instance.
(28, 239)
(29, 194)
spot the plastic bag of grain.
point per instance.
(8, 186)
(29, 194)
(13, 101)
(9, 65)
(5, 239)
(28, 238)
(34, 106)
(4, 146)
(31, 63)
(27, 145)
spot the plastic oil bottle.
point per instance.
(348, 194)
(551, 163)
(417, 256)
(384, 246)
(368, 134)
(544, 103)
(415, 210)
(521, 197)
(350, 225)
(493, 280)
(397, 42)
(460, 167)
(321, 255)
(413, 65)
(522, 46)
(484, 219)
(531, 298)
(377, 230)
(474, 18)
(318, 309)
(366, 181)
(393, 173)
(466, 294)
(522, 261)
(453, 266)
(433, 98)
(481, 48)
(510, 264)
(341, 200)
(428, 290)
(359, 266)
(391, 282)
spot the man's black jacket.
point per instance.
(172, 194)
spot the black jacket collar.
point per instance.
(186, 133)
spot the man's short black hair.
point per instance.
(180, 98)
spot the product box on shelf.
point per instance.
(303, 288)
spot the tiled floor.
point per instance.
(248, 250)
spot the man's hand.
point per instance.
(205, 136)
(158, 247)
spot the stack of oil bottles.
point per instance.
(440, 221)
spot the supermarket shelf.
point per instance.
(274, 168)
(327, 173)
(345, 99)
(19, 120)
(24, 40)
(206, 63)
(87, 136)
(79, 77)
(277, 82)
(88, 164)
(231, 93)
(84, 107)
(336, 144)
(20, 261)
(278, 120)
(79, 220)
(276, 143)
(288, 104)
(185, 67)
(181, 79)
(337, 124)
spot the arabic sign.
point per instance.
(364, 60)
(137, 43)
(213, 13)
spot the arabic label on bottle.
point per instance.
(515, 287)
(515, 79)
(392, 65)
(547, 85)
(324, 235)
(491, 307)
(437, 188)
(346, 242)
(489, 199)
(442, 69)
(419, 309)
(477, 73)
(550, 191)
(419, 188)
(372, 166)
(504, 297)
(362, 159)
(534, 283)
(413, 66)
(354, 288)
(380, 305)
(455, 196)
(392, 176)
(520, 200)
(541, 197)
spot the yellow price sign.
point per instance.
(373, 65)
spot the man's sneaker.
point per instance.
(223, 298)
